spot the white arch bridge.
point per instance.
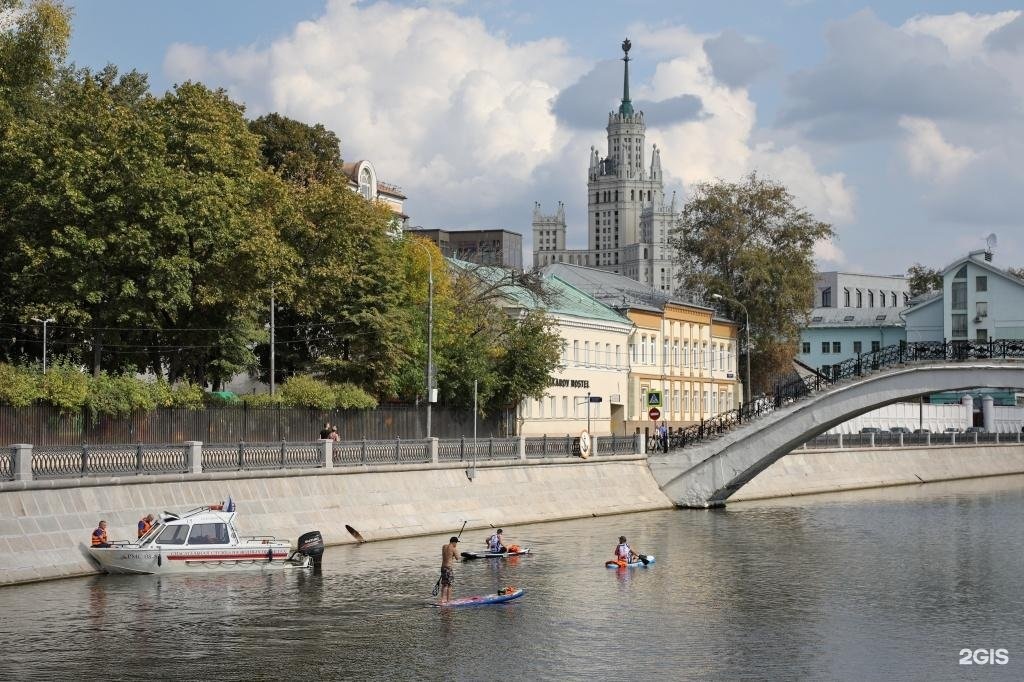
(719, 460)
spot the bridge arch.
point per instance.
(708, 474)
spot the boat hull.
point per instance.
(133, 560)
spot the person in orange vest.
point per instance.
(145, 525)
(99, 536)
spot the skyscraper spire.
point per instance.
(626, 107)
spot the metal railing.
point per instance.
(889, 440)
(62, 461)
(552, 446)
(485, 449)
(398, 451)
(614, 445)
(792, 390)
(7, 464)
(252, 456)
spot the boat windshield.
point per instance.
(173, 535)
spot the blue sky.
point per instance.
(901, 123)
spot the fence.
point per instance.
(890, 440)
(46, 425)
(30, 462)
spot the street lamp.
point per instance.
(45, 322)
(430, 330)
(719, 297)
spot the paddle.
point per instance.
(354, 533)
(643, 559)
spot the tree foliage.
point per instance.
(923, 280)
(750, 242)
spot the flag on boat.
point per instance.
(230, 506)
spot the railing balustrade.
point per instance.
(62, 461)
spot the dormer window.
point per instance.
(366, 183)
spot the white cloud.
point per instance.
(928, 153)
(963, 34)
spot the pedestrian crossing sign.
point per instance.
(654, 398)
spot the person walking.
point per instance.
(99, 536)
(449, 554)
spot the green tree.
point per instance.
(299, 152)
(1016, 272)
(923, 280)
(33, 43)
(750, 241)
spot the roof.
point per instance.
(923, 300)
(982, 263)
(562, 297)
(855, 317)
(615, 290)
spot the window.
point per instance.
(540, 408)
(826, 297)
(856, 347)
(875, 345)
(173, 535)
(846, 297)
(981, 335)
(607, 354)
(565, 406)
(849, 318)
(686, 400)
(643, 350)
(894, 299)
(860, 299)
(880, 318)
(553, 406)
(981, 283)
(576, 352)
(959, 295)
(981, 308)
(365, 183)
(959, 326)
(825, 346)
(586, 352)
(806, 347)
(618, 353)
(837, 347)
(871, 299)
(632, 353)
(209, 534)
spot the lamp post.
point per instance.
(746, 315)
(430, 330)
(45, 322)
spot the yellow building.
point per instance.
(681, 349)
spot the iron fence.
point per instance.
(552, 446)
(62, 461)
(485, 449)
(396, 451)
(43, 424)
(788, 392)
(251, 456)
(7, 464)
(614, 445)
(889, 440)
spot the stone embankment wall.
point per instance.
(45, 525)
(805, 472)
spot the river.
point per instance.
(883, 584)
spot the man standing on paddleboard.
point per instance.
(449, 553)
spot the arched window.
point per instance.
(366, 183)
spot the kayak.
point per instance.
(485, 599)
(632, 564)
(494, 555)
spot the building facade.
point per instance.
(485, 247)
(978, 302)
(628, 218)
(681, 349)
(362, 178)
(853, 314)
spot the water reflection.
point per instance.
(869, 584)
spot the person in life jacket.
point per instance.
(623, 554)
(99, 536)
(495, 544)
(145, 524)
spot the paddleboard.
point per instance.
(494, 555)
(484, 599)
(632, 564)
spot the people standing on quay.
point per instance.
(145, 524)
(325, 433)
(449, 553)
(334, 434)
(99, 536)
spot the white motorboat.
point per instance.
(205, 539)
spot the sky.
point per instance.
(900, 123)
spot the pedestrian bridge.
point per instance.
(706, 473)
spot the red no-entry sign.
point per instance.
(654, 414)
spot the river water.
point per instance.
(885, 584)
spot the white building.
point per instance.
(978, 302)
(362, 178)
(628, 219)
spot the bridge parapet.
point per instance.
(706, 472)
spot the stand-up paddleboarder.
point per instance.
(449, 553)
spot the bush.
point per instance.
(262, 400)
(186, 394)
(303, 390)
(65, 386)
(19, 386)
(350, 396)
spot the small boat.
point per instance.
(205, 539)
(631, 564)
(495, 555)
(500, 597)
